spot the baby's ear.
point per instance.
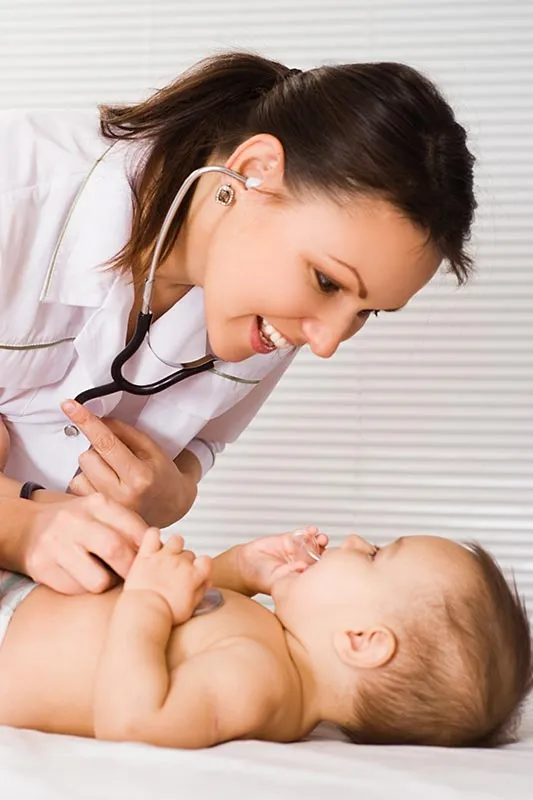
(366, 649)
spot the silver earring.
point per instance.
(225, 194)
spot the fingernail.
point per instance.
(68, 406)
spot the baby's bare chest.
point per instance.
(237, 617)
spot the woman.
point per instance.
(362, 185)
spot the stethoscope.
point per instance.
(118, 382)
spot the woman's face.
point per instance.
(312, 270)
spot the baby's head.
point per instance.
(420, 642)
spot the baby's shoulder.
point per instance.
(259, 680)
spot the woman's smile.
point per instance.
(266, 338)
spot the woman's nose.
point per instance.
(355, 542)
(324, 337)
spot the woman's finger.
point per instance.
(114, 549)
(61, 580)
(87, 572)
(81, 486)
(98, 472)
(140, 443)
(104, 441)
(114, 518)
(4, 444)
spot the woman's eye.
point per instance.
(325, 284)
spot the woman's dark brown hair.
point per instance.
(347, 130)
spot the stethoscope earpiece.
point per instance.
(252, 183)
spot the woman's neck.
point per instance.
(163, 298)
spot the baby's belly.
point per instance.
(48, 661)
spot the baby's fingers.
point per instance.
(174, 544)
(203, 566)
(151, 542)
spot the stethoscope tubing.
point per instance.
(118, 382)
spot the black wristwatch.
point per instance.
(28, 489)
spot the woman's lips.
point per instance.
(266, 338)
(258, 344)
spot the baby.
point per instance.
(420, 642)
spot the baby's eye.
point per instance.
(325, 284)
(367, 312)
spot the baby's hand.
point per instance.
(264, 561)
(173, 573)
(4, 444)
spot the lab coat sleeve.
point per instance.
(226, 428)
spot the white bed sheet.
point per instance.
(35, 766)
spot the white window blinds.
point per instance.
(424, 422)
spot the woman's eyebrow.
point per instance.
(363, 291)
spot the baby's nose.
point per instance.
(355, 542)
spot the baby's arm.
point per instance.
(254, 567)
(209, 698)
(229, 571)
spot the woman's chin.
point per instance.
(226, 351)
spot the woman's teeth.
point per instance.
(272, 337)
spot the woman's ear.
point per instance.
(366, 649)
(261, 156)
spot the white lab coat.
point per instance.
(65, 210)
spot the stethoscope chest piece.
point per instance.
(211, 600)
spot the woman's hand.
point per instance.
(128, 466)
(264, 561)
(175, 575)
(4, 444)
(63, 539)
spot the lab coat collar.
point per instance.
(97, 227)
